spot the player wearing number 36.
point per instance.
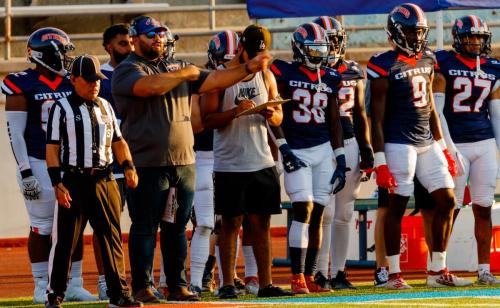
(308, 138)
(467, 94)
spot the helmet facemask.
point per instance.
(313, 55)
(55, 54)
(338, 43)
(411, 40)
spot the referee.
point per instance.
(82, 136)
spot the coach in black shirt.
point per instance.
(82, 136)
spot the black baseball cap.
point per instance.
(255, 38)
(87, 67)
(144, 24)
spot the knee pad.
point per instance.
(328, 215)
(343, 213)
(203, 231)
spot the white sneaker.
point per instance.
(487, 278)
(76, 292)
(40, 290)
(102, 288)
(397, 283)
(251, 285)
(445, 279)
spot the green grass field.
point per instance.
(364, 296)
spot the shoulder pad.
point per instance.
(18, 83)
(379, 65)
(493, 63)
(278, 66)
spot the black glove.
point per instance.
(367, 158)
(291, 162)
(339, 174)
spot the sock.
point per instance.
(340, 242)
(237, 253)
(311, 261)
(250, 262)
(209, 266)
(438, 261)
(219, 266)
(40, 269)
(76, 269)
(199, 254)
(101, 279)
(393, 264)
(324, 251)
(483, 268)
(298, 238)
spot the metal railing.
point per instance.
(9, 12)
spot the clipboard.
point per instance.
(261, 107)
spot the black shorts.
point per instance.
(240, 193)
(423, 199)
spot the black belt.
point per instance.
(95, 172)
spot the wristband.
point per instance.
(379, 159)
(442, 144)
(127, 164)
(26, 173)
(55, 175)
(339, 151)
(247, 69)
(280, 141)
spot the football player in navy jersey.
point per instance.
(117, 43)
(356, 144)
(466, 93)
(310, 141)
(30, 94)
(407, 140)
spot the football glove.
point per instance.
(31, 188)
(452, 165)
(385, 178)
(291, 162)
(339, 174)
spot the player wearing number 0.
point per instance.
(310, 135)
(407, 139)
(466, 92)
(30, 94)
(356, 144)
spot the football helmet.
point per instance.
(310, 45)
(336, 36)
(466, 26)
(407, 28)
(222, 47)
(169, 44)
(48, 47)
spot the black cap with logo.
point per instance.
(87, 67)
(255, 38)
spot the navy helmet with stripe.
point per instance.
(469, 25)
(310, 45)
(336, 36)
(407, 28)
(222, 47)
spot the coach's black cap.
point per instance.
(255, 38)
(87, 67)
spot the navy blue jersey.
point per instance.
(304, 119)
(40, 94)
(105, 90)
(204, 140)
(407, 106)
(351, 73)
(466, 108)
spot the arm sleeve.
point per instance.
(16, 125)
(54, 124)
(494, 108)
(439, 100)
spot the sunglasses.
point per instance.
(152, 34)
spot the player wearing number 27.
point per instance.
(467, 93)
(407, 139)
(309, 136)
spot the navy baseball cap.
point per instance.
(144, 24)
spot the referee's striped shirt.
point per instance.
(83, 131)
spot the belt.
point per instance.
(95, 172)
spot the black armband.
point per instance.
(26, 173)
(55, 175)
(128, 164)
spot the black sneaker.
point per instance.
(195, 290)
(340, 282)
(272, 291)
(381, 277)
(322, 281)
(123, 301)
(239, 284)
(228, 291)
(54, 300)
(208, 281)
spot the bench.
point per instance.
(362, 206)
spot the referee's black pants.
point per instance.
(95, 199)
